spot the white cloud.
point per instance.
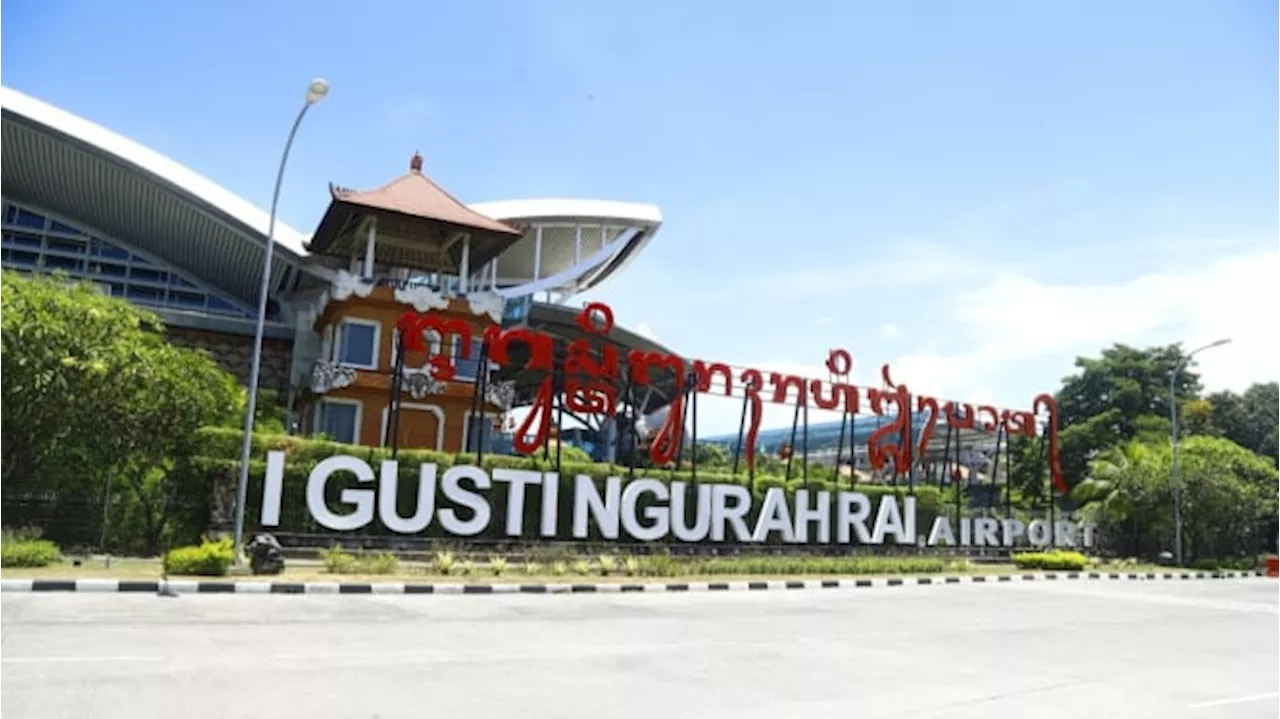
(1017, 318)
(823, 321)
(889, 330)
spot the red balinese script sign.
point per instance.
(591, 374)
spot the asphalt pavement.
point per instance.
(1046, 649)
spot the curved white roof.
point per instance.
(584, 242)
(66, 164)
(152, 162)
(586, 211)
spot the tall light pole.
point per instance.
(1173, 479)
(315, 93)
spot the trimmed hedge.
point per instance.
(1057, 559)
(23, 552)
(210, 559)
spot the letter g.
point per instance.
(361, 498)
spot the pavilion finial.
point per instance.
(415, 162)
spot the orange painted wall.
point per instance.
(418, 427)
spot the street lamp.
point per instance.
(1173, 479)
(315, 93)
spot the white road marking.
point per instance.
(1233, 700)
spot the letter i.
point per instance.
(550, 502)
(272, 488)
(966, 526)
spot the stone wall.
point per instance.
(234, 353)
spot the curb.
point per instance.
(216, 587)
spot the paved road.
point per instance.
(1066, 649)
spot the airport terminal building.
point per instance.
(82, 200)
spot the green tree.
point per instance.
(92, 389)
(711, 455)
(1196, 418)
(1229, 498)
(177, 392)
(1120, 396)
(1250, 419)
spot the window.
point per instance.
(479, 427)
(57, 262)
(102, 248)
(25, 259)
(468, 366)
(358, 343)
(340, 420)
(146, 294)
(21, 239)
(58, 244)
(139, 273)
(186, 299)
(29, 219)
(107, 268)
(63, 246)
(55, 226)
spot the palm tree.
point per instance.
(1107, 492)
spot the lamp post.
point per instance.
(315, 93)
(1173, 479)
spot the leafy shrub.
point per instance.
(608, 564)
(464, 567)
(337, 560)
(631, 567)
(25, 549)
(210, 559)
(532, 568)
(445, 562)
(1057, 559)
(378, 563)
(660, 565)
(559, 568)
(582, 567)
(497, 565)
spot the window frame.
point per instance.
(318, 424)
(338, 342)
(477, 343)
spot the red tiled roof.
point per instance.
(416, 195)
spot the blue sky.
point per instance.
(974, 192)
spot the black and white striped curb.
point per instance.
(249, 587)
